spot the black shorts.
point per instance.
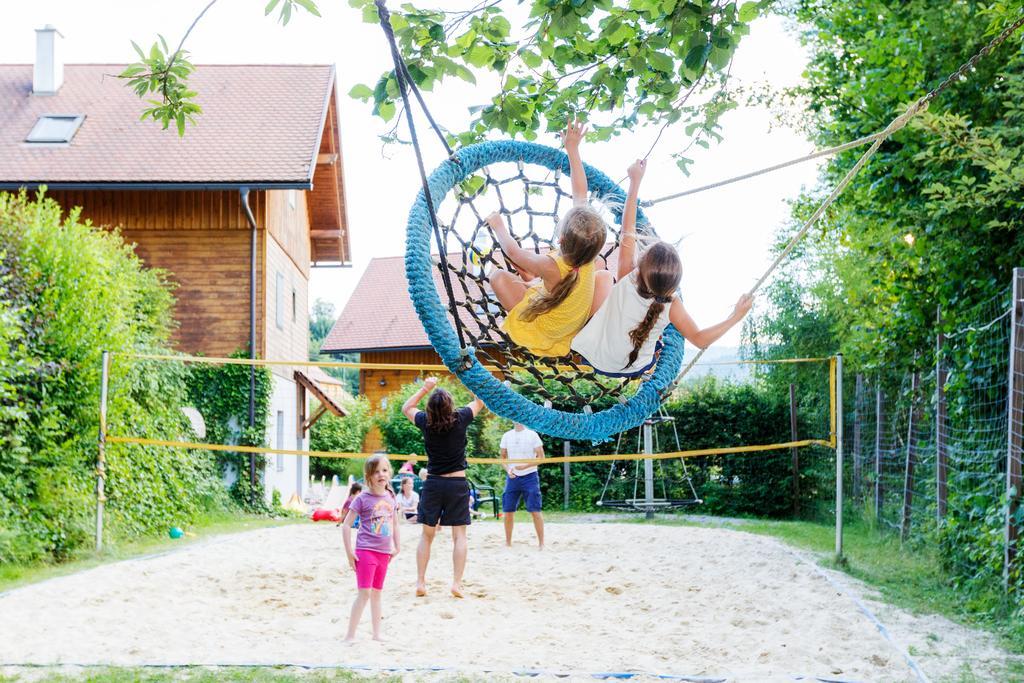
(444, 500)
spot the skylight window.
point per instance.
(55, 128)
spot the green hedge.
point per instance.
(69, 292)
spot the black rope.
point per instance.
(400, 76)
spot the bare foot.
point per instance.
(421, 590)
(350, 639)
(457, 591)
(380, 639)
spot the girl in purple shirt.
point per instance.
(376, 542)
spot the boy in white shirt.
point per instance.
(523, 481)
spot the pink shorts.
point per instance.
(371, 568)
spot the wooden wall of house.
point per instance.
(370, 382)
(286, 327)
(202, 240)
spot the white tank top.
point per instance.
(604, 341)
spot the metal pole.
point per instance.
(911, 460)
(858, 392)
(941, 467)
(878, 450)
(794, 452)
(1015, 416)
(839, 456)
(649, 470)
(567, 449)
(244, 194)
(101, 457)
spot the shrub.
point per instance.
(71, 291)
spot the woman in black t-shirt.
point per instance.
(444, 499)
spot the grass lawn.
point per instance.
(12, 576)
(201, 675)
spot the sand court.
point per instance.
(602, 597)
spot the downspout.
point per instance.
(244, 192)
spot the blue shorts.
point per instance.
(516, 488)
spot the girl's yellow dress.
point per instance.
(549, 334)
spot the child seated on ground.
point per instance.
(623, 337)
(543, 316)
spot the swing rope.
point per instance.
(401, 76)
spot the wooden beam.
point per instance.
(325, 234)
(313, 418)
(326, 159)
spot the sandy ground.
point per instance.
(684, 601)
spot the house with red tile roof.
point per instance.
(237, 212)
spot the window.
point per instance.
(55, 128)
(291, 199)
(295, 306)
(279, 308)
(280, 440)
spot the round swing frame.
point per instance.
(432, 312)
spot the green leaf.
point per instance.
(309, 6)
(749, 11)
(386, 110)
(270, 7)
(479, 56)
(661, 62)
(696, 57)
(361, 92)
(531, 59)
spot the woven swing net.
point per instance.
(532, 207)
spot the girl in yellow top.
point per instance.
(543, 317)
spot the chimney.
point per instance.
(48, 74)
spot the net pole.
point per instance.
(795, 452)
(101, 455)
(941, 457)
(1015, 415)
(878, 450)
(567, 450)
(911, 459)
(648, 470)
(839, 454)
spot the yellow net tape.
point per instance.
(396, 366)
(832, 402)
(478, 461)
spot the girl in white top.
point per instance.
(622, 338)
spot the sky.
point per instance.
(726, 234)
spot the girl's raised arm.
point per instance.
(540, 264)
(409, 408)
(703, 338)
(627, 240)
(571, 138)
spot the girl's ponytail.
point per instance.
(658, 276)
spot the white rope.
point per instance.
(896, 124)
(768, 169)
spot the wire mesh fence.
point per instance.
(934, 456)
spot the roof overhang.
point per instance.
(156, 186)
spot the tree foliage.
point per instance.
(635, 63)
